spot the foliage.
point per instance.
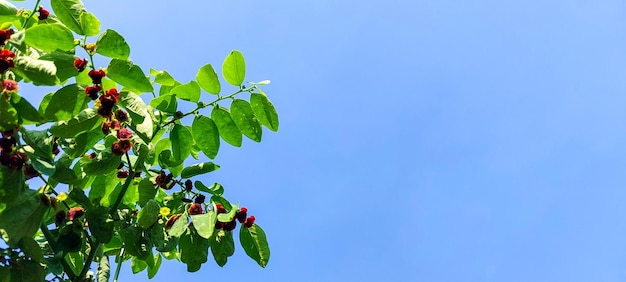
(118, 172)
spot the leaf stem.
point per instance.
(119, 259)
(31, 14)
(213, 103)
(93, 248)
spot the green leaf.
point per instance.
(234, 68)
(102, 185)
(146, 190)
(7, 9)
(179, 227)
(134, 242)
(215, 189)
(22, 218)
(165, 103)
(25, 111)
(149, 214)
(39, 141)
(207, 79)
(129, 75)
(66, 103)
(264, 111)
(100, 223)
(194, 250)
(8, 115)
(254, 242)
(12, 183)
(76, 147)
(140, 115)
(230, 215)
(104, 162)
(163, 78)
(90, 24)
(244, 118)
(40, 72)
(227, 128)
(218, 199)
(62, 172)
(68, 12)
(50, 37)
(222, 247)
(189, 91)
(206, 135)
(30, 247)
(137, 265)
(162, 241)
(152, 270)
(111, 44)
(64, 64)
(162, 145)
(204, 223)
(28, 271)
(86, 120)
(181, 142)
(199, 168)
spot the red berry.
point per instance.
(5, 34)
(195, 209)
(96, 76)
(124, 134)
(30, 172)
(249, 221)
(230, 226)
(80, 64)
(43, 13)
(9, 85)
(75, 213)
(241, 215)
(188, 185)
(199, 199)
(121, 115)
(93, 91)
(220, 208)
(171, 221)
(122, 174)
(59, 217)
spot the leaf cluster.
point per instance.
(121, 173)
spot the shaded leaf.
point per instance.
(86, 120)
(66, 103)
(100, 223)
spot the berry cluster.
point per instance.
(6, 58)
(9, 156)
(196, 208)
(165, 181)
(106, 102)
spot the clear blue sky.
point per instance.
(420, 140)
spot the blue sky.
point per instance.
(419, 140)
